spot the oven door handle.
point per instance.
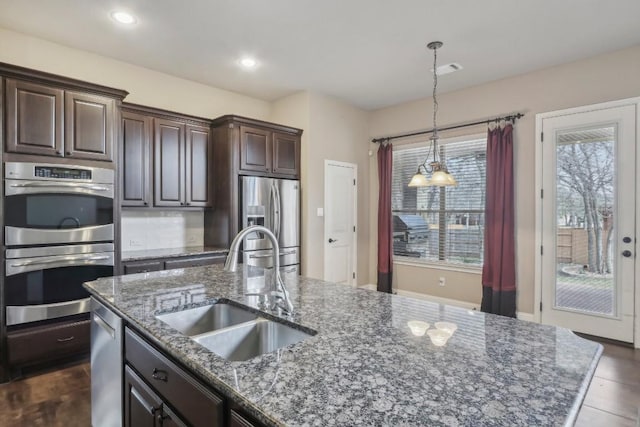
(17, 267)
(61, 185)
(55, 261)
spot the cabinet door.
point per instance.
(141, 405)
(198, 166)
(255, 149)
(169, 163)
(136, 160)
(89, 126)
(286, 154)
(34, 118)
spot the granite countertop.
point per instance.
(142, 254)
(364, 366)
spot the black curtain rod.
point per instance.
(513, 117)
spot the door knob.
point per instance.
(626, 239)
(626, 254)
(332, 240)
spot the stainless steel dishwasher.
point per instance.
(106, 367)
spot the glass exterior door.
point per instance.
(588, 217)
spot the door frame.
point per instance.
(537, 314)
(354, 167)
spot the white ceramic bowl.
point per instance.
(446, 326)
(418, 327)
(438, 337)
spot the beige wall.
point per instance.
(598, 79)
(145, 86)
(334, 130)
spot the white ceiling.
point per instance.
(371, 53)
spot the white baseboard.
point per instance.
(456, 303)
(370, 286)
(439, 300)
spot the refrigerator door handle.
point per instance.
(277, 208)
(272, 202)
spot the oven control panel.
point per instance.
(62, 173)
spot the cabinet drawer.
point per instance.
(194, 403)
(49, 342)
(193, 262)
(142, 266)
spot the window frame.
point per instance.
(430, 263)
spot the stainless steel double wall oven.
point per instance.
(59, 233)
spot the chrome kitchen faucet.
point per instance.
(277, 284)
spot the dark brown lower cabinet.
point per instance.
(41, 344)
(132, 267)
(172, 385)
(144, 408)
(145, 266)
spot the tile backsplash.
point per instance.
(161, 229)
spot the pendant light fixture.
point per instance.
(440, 176)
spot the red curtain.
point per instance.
(385, 228)
(499, 270)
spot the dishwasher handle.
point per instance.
(104, 325)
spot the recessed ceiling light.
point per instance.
(248, 62)
(123, 17)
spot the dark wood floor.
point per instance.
(62, 397)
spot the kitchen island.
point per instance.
(364, 366)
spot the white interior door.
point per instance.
(340, 222)
(588, 170)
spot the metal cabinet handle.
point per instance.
(66, 339)
(332, 240)
(159, 375)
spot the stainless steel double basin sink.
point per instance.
(232, 332)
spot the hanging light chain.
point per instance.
(435, 85)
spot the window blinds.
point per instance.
(443, 224)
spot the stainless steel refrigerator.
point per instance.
(275, 204)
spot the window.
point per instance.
(440, 224)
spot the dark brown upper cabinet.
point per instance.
(198, 166)
(255, 149)
(169, 151)
(35, 120)
(136, 159)
(49, 115)
(89, 130)
(267, 150)
(166, 159)
(286, 154)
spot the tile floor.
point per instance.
(62, 397)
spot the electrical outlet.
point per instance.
(441, 282)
